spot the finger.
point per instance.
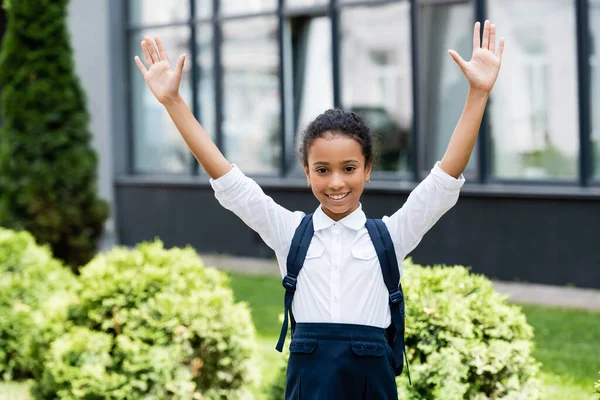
(485, 41)
(492, 38)
(477, 36)
(179, 66)
(147, 55)
(152, 49)
(161, 49)
(458, 59)
(500, 49)
(141, 66)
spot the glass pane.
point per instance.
(313, 73)
(157, 145)
(206, 79)
(204, 8)
(305, 3)
(443, 87)
(377, 80)
(251, 125)
(595, 73)
(229, 7)
(533, 107)
(361, 1)
(146, 12)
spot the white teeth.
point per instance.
(338, 196)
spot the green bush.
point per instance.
(48, 180)
(464, 340)
(152, 323)
(597, 386)
(35, 291)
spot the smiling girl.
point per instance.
(341, 270)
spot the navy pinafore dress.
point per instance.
(331, 361)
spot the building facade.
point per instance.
(258, 71)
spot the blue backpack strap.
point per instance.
(295, 261)
(380, 236)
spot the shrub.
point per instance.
(48, 180)
(464, 340)
(152, 323)
(35, 290)
(597, 386)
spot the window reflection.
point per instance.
(312, 71)
(377, 80)
(157, 144)
(229, 7)
(204, 8)
(533, 107)
(595, 80)
(251, 99)
(305, 3)
(206, 81)
(443, 87)
(145, 12)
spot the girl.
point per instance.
(341, 301)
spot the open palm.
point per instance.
(162, 81)
(482, 71)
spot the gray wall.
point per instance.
(530, 235)
(89, 24)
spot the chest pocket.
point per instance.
(315, 250)
(364, 253)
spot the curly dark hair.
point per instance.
(338, 122)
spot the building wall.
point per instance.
(528, 235)
(536, 233)
(90, 38)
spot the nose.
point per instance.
(336, 182)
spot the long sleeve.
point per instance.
(425, 205)
(244, 197)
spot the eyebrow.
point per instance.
(326, 163)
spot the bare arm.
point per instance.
(164, 84)
(481, 73)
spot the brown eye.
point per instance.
(349, 168)
(321, 170)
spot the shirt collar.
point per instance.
(354, 221)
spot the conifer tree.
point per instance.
(48, 168)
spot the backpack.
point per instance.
(384, 248)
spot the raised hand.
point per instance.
(160, 78)
(482, 70)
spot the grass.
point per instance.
(568, 346)
(567, 341)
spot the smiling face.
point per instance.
(336, 172)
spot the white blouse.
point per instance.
(341, 279)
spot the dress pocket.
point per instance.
(369, 349)
(303, 345)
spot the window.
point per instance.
(204, 8)
(205, 85)
(157, 145)
(230, 7)
(443, 87)
(533, 107)
(312, 74)
(377, 78)
(147, 12)
(251, 99)
(595, 80)
(305, 3)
